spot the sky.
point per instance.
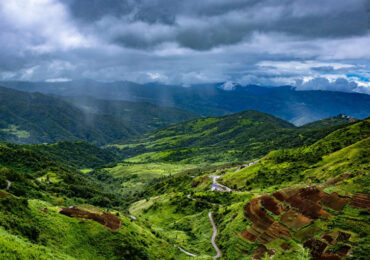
(315, 44)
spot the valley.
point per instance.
(181, 130)
(241, 186)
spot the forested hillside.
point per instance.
(37, 118)
(241, 136)
(310, 202)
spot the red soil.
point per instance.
(294, 220)
(343, 236)
(106, 219)
(327, 257)
(260, 252)
(275, 231)
(361, 200)
(333, 201)
(316, 247)
(269, 203)
(298, 207)
(257, 215)
(249, 236)
(279, 195)
(311, 193)
(306, 207)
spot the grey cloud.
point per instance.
(340, 84)
(187, 42)
(211, 24)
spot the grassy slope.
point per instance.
(64, 237)
(345, 150)
(32, 228)
(291, 164)
(241, 136)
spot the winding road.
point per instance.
(214, 236)
(216, 186)
(9, 184)
(185, 252)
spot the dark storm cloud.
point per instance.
(202, 25)
(265, 42)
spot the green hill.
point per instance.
(33, 190)
(241, 136)
(308, 199)
(336, 120)
(36, 118)
(78, 154)
(323, 211)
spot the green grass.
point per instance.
(70, 238)
(133, 177)
(180, 220)
(237, 137)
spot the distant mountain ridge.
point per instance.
(37, 118)
(298, 107)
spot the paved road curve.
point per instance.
(185, 252)
(9, 184)
(216, 186)
(214, 236)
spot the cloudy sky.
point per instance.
(311, 44)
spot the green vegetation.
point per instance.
(343, 151)
(131, 178)
(336, 120)
(238, 137)
(159, 186)
(78, 154)
(32, 118)
(317, 162)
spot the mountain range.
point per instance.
(298, 107)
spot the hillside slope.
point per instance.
(37, 118)
(241, 136)
(336, 120)
(47, 212)
(310, 202)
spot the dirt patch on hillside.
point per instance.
(261, 251)
(294, 220)
(106, 219)
(361, 200)
(249, 236)
(333, 201)
(271, 204)
(306, 207)
(257, 215)
(276, 230)
(316, 247)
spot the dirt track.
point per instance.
(214, 236)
